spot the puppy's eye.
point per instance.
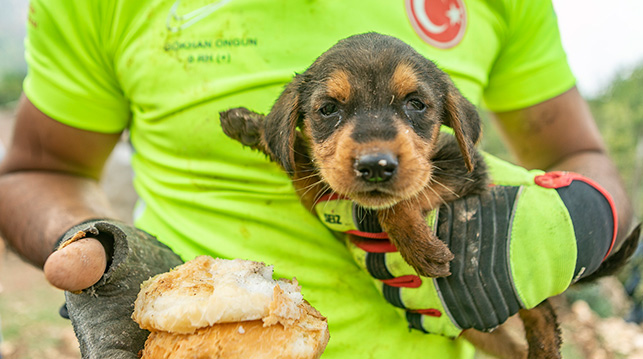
(329, 109)
(414, 104)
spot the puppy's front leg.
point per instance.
(244, 126)
(420, 248)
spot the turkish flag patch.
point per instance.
(440, 23)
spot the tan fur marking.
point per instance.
(404, 80)
(336, 156)
(338, 86)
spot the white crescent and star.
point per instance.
(422, 18)
(451, 21)
(454, 13)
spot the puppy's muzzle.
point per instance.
(378, 167)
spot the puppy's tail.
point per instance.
(617, 260)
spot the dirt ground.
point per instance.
(32, 328)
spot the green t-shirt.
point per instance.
(164, 69)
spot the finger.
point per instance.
(77, 266)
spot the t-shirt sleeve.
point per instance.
(70, 75)
(532, 65)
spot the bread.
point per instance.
(215, 308)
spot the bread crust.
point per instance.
(249, 339)
(215, 308)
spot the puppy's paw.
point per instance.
(433, 269)
(242, 125)
(429, 259)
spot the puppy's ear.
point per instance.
(281, 126)
(463, 118)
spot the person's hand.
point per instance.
(524, 240)
(101, 265)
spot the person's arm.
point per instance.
(49, 181)
(48, 190)
(560, 135)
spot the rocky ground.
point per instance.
(591, 316)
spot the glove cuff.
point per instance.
(593, 214)
(574, 219)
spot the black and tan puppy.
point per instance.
(369, 113)
(363, 121)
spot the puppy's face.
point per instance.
(371, 110)
(373, 129)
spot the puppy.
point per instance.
(369, 113)
(363, 121)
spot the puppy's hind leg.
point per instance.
(542, 331)
(503, 342)
(244, 126)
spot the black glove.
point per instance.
(101, 314)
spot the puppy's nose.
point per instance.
(377, 167)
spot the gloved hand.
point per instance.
(101, 314)
(524, 240)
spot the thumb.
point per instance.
(77, 265)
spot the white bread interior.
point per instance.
(215, 308)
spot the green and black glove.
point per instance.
(527, 238)
(101, 314)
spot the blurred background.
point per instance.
(604, 42)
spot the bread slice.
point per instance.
(215, 308)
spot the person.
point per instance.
(162, 70)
